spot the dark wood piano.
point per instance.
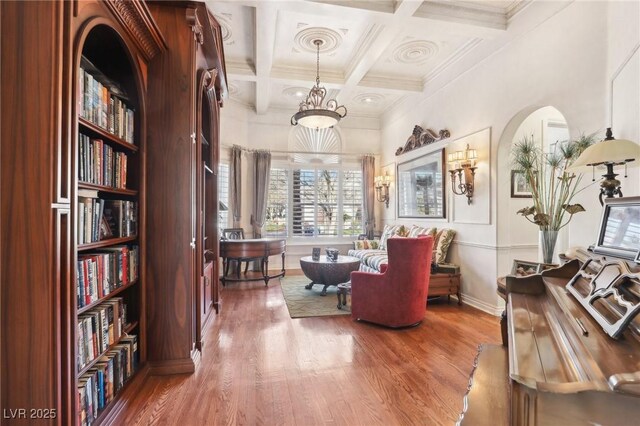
(572, 355)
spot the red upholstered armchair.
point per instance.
(398, 296)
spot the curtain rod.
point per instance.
(276, 151)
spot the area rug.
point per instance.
(303, 303)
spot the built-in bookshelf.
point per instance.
(108, 287)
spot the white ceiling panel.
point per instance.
(243, 92)
(237, 23)
(375, 55)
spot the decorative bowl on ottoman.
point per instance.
(332, 254)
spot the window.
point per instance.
(323, 202)
(352, 203)
(223, 195)
(277, 203)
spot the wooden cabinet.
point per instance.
(445, 285)
(185, 89)
(42, 165)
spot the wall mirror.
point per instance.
(420, 186)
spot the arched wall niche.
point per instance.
(516, 237)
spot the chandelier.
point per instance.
(312, 113)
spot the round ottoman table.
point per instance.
(326, 272)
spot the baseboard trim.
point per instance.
(173, 366)
(482, 305)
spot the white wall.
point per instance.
(560, 62)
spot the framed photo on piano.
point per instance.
(619, 234)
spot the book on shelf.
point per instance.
(103, 103)
(103, 271)
(122, 217)
(100, 219)
(100, 164)
(98, 329)
(100, 384)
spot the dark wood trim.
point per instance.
(100, 132)
(108, 189)
(106, 243)
(107, 297)
(140, 26)
(172, 366)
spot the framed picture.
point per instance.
(519, 186)
(619, 234)
(315, 254)
(523, 268)
(420, 186)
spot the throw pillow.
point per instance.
(365, 245)
(402, 231)
(419, 230)
(441, 245)
(387, 231)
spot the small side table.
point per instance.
(344, 289)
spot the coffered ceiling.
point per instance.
(374, 54)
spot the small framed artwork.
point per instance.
(315, 254)
(519, 186)
(522, 268)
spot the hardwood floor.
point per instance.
(259, 366)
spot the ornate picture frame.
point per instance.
(420, 187)
(519, 187)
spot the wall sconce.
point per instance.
(463, 164)
(382, 184)
(610, 152)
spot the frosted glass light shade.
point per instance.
(317, 118)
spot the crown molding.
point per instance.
(391, 82)
(462, 12)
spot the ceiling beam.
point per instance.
(266, 21)
(376, 42)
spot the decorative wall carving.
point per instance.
(421, 137)
(196, 26)
(139, 24)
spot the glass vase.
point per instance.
(548, 239)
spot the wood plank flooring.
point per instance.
(260, 367)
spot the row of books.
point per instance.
(100, 328)
(102, 272)
(99, 385)
(99, 104)
(99, 164)
(100, 219)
